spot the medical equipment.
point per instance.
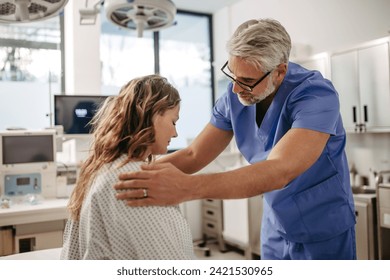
(74, 112)
(20, 11)
(140, 15)
(22, 184)
(28, 163)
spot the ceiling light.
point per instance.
(19, 11)
(139, 15)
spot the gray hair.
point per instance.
(263, 43)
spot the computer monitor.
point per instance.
(74, 112)
(27, 147)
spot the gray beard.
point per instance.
(256, 99)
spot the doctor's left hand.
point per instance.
(155, 184)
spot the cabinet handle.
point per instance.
(210, 225)
(356, 213)
(354, 114)
(365, 113)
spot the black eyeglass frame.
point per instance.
(241, 84)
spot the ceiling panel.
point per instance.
(203, 6)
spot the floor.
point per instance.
(214, 253)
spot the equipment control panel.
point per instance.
(21, 184)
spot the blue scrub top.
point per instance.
(318, 204)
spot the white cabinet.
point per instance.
(212, 226)
(361, 77)
(242, 224)
(34, 227)
(255, 214)
(383, 211)
(366, 236)
(235, 222)
(346, 81)
(38, 236)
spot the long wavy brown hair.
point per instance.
(123, 125)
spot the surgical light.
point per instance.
(20, 11)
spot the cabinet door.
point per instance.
(344, 68)
(374, 83)
(235, 222)
(255, 214)
(362, 244)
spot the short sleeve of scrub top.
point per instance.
(315, 107)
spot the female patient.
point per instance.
(128, 131)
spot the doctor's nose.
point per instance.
(236, 88)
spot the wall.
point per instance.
(82, 69)
(82, 56)
(317, 26)
(369, 151)
(320, 25)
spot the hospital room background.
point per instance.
(80, 56)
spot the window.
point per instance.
(185, 59)
(123, 56)
(182, 53)
(30, 72)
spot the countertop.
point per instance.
(25, 213)
(47, 254)
(364, 195)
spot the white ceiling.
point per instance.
(203, 6)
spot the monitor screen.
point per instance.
(27, 148)
(74, 112)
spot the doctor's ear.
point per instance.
(281, 71)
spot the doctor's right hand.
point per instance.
(156, 184)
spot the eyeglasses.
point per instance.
(241, 84)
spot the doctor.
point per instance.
(286, 123)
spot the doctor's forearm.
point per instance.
(203, 150)
(244, 182)
(184, 160)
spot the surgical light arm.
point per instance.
(88, 15)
